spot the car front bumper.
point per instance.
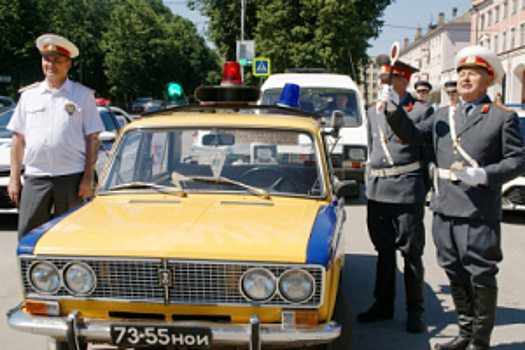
(72, 328)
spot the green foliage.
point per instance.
(128, 48)
(330, 34)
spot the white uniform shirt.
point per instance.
(55, 126)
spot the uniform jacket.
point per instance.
(491, 136)
(405, 188)
(55, 125)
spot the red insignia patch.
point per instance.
(485, 108)
(409, 107)
(70, 108)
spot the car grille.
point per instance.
(516, 195)
(192, 282)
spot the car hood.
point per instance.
(196, 227)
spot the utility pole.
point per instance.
(242, 33)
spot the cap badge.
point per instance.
(470, 59)
(70, 108)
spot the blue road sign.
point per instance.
(261, 66)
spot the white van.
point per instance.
(320, 90)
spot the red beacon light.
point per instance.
(99, 101)
(231, 74)
(231, 90)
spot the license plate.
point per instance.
(192, 337)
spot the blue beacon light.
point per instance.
(289, 96)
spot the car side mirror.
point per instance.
(107, 136)
(347, 188)
(336, 122)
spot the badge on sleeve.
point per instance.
(70, 108)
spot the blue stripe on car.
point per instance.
(28, 242)
(318, 251)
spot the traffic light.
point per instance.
(175, 92)
(242, 54)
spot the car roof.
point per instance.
(178, 119)
(328, 80)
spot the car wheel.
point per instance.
(343, 316)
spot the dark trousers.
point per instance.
(397, 227)
(468, 249)
(46, 197)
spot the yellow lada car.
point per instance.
(215, 225)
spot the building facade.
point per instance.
(434, 53)
(499, 25)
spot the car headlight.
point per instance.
(258, 284)
(79, 278)
(44, 277)
(356, 154)
(296, 285)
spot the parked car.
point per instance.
(513, 192)
(211, 226)
(7, 206)
(123, 117)
(112, 127)
(320, 90)
(139, 104)
(6, 103)
(154, 105)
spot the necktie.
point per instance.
(466, 110)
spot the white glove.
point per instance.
(472, 176)
(389, 97)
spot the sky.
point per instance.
(401, 19)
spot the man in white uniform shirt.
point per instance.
(57, 123)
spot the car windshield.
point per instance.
(323, 101)
(258, 162)
(110, 123)
(4, 119)
(142, 100)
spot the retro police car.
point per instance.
(7, 206)
(213, 226)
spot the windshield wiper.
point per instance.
(225, 181)
(137, 184)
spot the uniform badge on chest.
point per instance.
(70, 108)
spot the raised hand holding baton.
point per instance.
(394, 55)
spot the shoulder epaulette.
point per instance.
(22, 89)
(84, 87)
(505, 108)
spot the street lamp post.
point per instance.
(242, 33)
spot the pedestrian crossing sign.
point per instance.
(261, 67)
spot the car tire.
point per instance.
(53, 344)
(343, 316)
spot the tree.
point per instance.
(330, 34)
(145, 50)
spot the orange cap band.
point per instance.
(476, 61)
(405, 73)
(57, 49)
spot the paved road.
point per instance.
(509, 333)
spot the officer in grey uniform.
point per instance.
(478, 147)
(395, 207)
